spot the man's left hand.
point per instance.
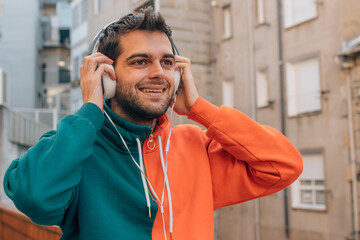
(187, 92)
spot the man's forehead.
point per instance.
(144, 39)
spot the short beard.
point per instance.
(137, 110)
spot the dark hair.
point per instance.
(147, 19)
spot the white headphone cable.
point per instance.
(143, 176)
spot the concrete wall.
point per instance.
(8, 151)
(326, 130)
(191, 25)
(19, 43)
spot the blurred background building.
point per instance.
(290, 64)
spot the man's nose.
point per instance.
(156, 71)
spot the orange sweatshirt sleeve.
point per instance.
(247, 160)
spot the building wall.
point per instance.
(8, 150)
(191, 25)
(325, 130)
(19, 44)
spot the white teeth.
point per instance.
(152, 90)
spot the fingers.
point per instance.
(94, 66)
(109, 69)
(182, 62)
(91, 62)
(187, 93)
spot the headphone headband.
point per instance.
(95, 41)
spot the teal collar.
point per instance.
(127, 129)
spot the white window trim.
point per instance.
(296, 187)
(262, 83)
(293, 107)
(228, 93)
(289, 11)
(260, 12)
(227, 21)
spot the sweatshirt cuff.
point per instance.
(203, 112)
(93, 113)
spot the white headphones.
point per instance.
(109, 85)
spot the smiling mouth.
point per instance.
(152, 90)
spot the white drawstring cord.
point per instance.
(146, 190)
(167, 186)
(143, 177)
(133, 159)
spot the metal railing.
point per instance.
(23, 130)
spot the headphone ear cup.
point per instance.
(109, 85)
(177, 77)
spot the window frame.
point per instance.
(227, 22)
(292, 87)
(288, 9)
(296, 187)
(266, 103)
(228, 84)
(260, 11)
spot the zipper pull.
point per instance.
(150, 143)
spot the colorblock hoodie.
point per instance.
(82, 178)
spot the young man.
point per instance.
(117, 177)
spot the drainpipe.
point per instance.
(157, 5)
(347, 63)
(212, 63)
(253, 104)
(282, 107)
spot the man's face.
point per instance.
(145, 74)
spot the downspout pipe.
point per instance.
(282, 109)
(253, 104)
(347, 63)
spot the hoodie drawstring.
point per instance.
(144, 179)
(146, 190)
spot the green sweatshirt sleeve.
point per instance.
(42, 183)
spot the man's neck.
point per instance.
(117, 109)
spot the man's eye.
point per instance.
(139, 62)
(168, 62)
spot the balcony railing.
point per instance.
(24, 130)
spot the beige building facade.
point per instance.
(287, 76)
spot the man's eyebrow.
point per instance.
(169, 55)
(144, 55)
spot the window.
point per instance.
(308, 191)
(64, 36)
(43, 73)
(228, 93)
(303, 86)
(227, 22)
(64, 75)
(298, 11)
(64, 14)
(262, 96)
(260, 12)
(97, 6)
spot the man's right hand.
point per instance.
(90, 78)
